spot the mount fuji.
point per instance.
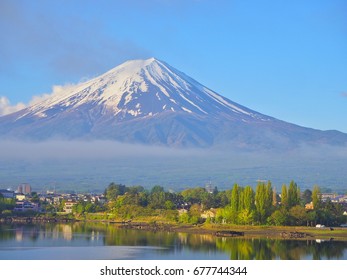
(150, 102)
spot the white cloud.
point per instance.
(7, 108)
(56, 90)
(38, 98)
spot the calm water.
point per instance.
(105, 241)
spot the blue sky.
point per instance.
(286, 59)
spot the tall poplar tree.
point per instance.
(263, 201)
(269, 196)
(293, 194)
(284, 196)
(316, 197)
(246, 210)
(235, 202)
(274, 198)
(248, 198)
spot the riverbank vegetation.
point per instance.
(240, 205)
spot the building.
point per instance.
(24, 188)
(309, 206)
(7, 193)
(68, 206)
(22, 206)
(20, 196)
(98, 199)
(209, 187)
(209, 214)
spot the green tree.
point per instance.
(245, 217)
(316, 197)
(248, 198)
(135, 189)
(284, 196)
(143, 199)
(184, 218)
(114, 190)
(157, 198)
(157, 189)
(274, 198)
(79, 208)
(263, 201)
(194, 195)
(223, 198)
(235, 202)
(169, 205)
(298, 215)
(311, 218)
(224, 215)
(208, 200)
(246, 205)
(194, 214)
(293, 194)
(331, 214)
(306, 196)
(90, 207)
(279, 217)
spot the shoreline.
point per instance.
(218, 230)
(272, 232)
(248, 231)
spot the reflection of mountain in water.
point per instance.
(98, 234)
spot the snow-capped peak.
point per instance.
(139, 88)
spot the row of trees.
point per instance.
(265, 206)
(240, 205)
(158, 198)
(249, 206)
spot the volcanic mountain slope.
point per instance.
(150, 102)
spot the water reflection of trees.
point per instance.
(6, 232)
(115, 236)
(235, 248)
(19, 232)
(42, 231)
(268, 249)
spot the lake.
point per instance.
(98, 241)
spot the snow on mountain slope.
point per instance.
(140, 88)
(150, 102)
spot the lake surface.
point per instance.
(97, 241)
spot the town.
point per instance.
(25, 199)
